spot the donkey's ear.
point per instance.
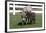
(30, 11)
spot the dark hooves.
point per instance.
(20, 23)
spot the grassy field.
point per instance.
(14, 20)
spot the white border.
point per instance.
(22, 29)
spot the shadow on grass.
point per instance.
(24, 23)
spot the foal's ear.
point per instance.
(25, 11)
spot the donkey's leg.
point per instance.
(29, 20)
(23, 21)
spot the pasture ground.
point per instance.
(14, 20)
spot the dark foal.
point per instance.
(30, 17)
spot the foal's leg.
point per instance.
(34, 19)
(26, 20)
(31, 20)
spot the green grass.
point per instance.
(14, 20)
